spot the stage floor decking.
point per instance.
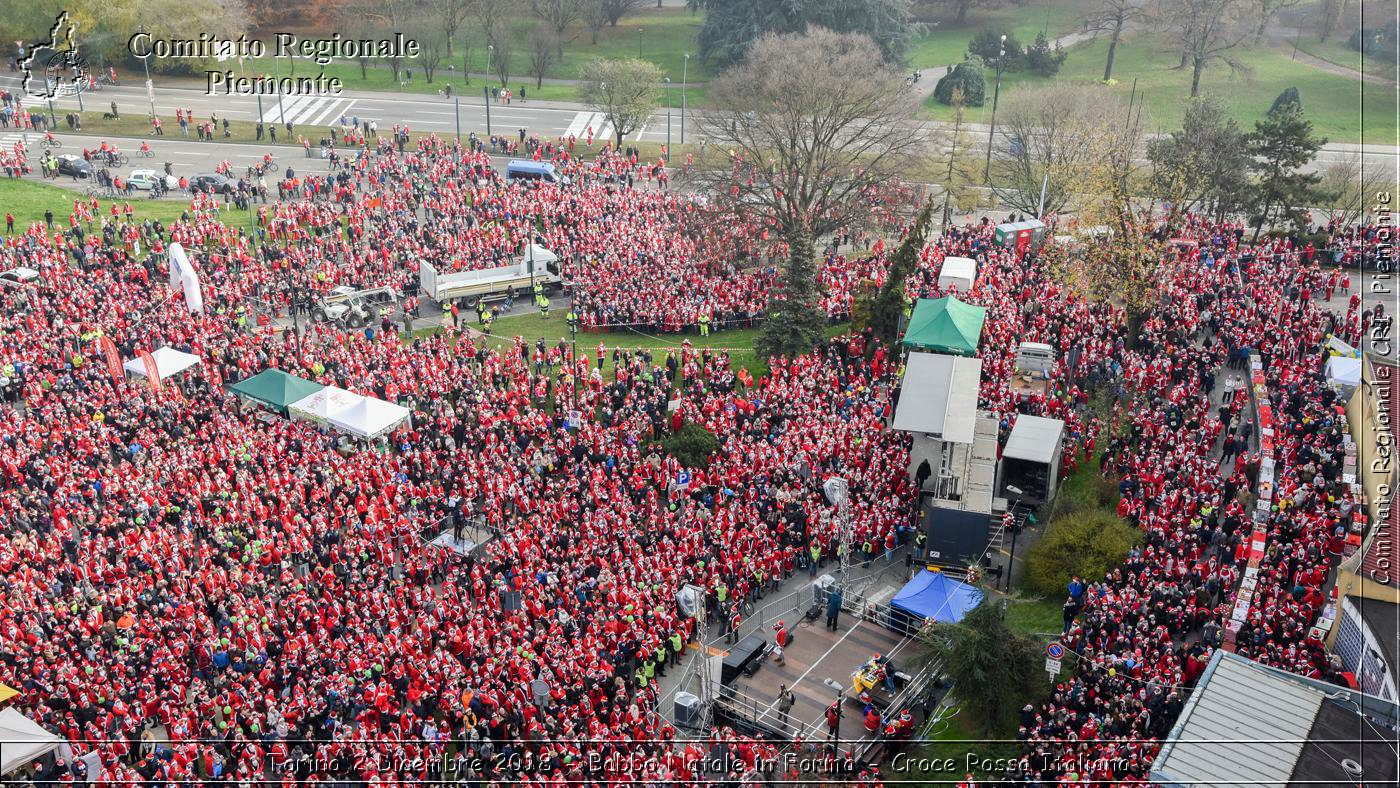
(814, 655)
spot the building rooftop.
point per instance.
(1247, 724)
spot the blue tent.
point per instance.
(939, 597)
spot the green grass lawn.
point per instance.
(1336, 51)
(1332, 102)
(738, 342)
(664, 35)
(1036, 618)
(945, 43)
(28, 200)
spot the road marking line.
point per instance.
(604, 128)
(331, 111)
(307, 108)
(286, 108)
(580, 121)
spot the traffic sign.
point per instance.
(1054, 650)
(1052, 666)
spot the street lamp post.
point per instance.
(667, 80)
(490, 49)
(277, 77)
(457, 112)
(639, 43)
(573, 334)
(685, 66)
(486, 96)
(996, 96)
(150, 86)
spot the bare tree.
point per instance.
(1109, 19)
(963, 180)
(623, 90)
(800, 136)
(1353, 191)
(433, 43)
(594, 18)
(1101, 172)
(1332, 12)
(1207, 31)
(1266, 11)
(542, 42)
(451, 14)
(559, 15)
(1050, 136)
(615, 10)
(500, 39)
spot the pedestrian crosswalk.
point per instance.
(306, 110)
(583, 121)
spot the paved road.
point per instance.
(435, 113)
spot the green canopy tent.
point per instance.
(945, 325)
(275, 388)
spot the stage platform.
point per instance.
(816, 655)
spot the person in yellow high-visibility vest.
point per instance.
(542, 302)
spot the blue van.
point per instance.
(527, 170)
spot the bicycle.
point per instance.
(146, 154)
(48, 143)
(108, 192)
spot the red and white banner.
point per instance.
(152, 372)
(114, 360)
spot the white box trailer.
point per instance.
(488, 281)
(959, 272)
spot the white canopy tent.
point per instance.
(1344, 371)
(939, 396)
(369, 418)
(960, 272)
(319, 406)
(22, 740)
(169, 361)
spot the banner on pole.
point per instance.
(114, 360)
(152, 371)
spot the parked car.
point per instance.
(77, 166)
(18, 276)
(146, 180)
(212, 183)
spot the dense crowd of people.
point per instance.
(1144, 633)
(179, 564)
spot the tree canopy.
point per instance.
(804, 136)
(624, 90)
(994, 670)
(966, 76)
(732, 26)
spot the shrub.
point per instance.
(1379, 42)
(986, 46)
(692, 444)
(1288, 96)
(1086, 544)
(968, 76)
(1044, 60)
